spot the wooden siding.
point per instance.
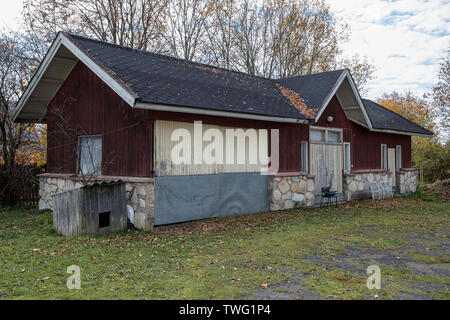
(93, 108)
(365, 145)
(164, 145)
(326, 162)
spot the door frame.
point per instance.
(325, 142)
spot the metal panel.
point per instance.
(164, 145)
(187, 198)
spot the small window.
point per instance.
(333, 136)
(317, 135)
(104, 219)
(90, 148)
(384, 157)
(304, 156)
(398, 158)
(347, 158)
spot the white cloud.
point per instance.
(10, 13)
(404, 39)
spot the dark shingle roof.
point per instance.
(383, 118)
(313, 88)
(159, 79)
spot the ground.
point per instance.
(299, 254)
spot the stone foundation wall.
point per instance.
(356, 185)
(287, 192)
(139, 191)
(406, 181)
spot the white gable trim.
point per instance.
(61, 39)
(345, 75)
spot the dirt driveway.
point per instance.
(425, 257)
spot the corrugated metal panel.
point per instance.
(187, 198)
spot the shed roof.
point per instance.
(385, 119)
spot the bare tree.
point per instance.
(185, 28)
(18, 60)
(441, 99)
(82, 153)
(218, 48)
(134, 23)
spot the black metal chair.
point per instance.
(327, 193)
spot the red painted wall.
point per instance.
(365, 144)
(91, 107)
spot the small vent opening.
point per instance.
(104, 219)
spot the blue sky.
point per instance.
(404, 39)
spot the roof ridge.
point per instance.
(311, 74)
(201, 64)
(397, 114)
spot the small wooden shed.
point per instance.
(98, 209)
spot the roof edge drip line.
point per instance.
(210, 112)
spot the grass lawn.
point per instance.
(319, 253)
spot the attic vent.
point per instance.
(104, 219)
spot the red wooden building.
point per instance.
(113, 113)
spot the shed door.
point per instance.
(326, 162)
(391, 163)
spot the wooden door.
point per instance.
(326, 161)
(391, 163)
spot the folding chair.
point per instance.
(376, 191)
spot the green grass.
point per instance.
(226, 258)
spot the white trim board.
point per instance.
(345, 75)
(161, 107)
(60, 40)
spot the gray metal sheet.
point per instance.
(187, 198)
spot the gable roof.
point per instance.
(157, 82)
(385, 119)
(314, 88)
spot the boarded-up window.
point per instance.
(384, 158)
(304, 156)
(90, 159)
(347, 158)
(317, 135)
(398, 157)
(333, 136)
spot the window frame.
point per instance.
(325, 131)
(398, 157)
(347, 157)
(304, 154)
(384, 157)
(79, 139)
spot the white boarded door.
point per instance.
(391, 163)
(326, 162)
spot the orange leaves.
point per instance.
(296, 101)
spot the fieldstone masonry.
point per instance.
(287, 192)
(406, 181)
(356, 185)
(139, 192)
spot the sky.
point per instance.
(404, 39)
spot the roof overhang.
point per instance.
(405, 133)
(57, 64)
(218, 113)
(348, 95)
